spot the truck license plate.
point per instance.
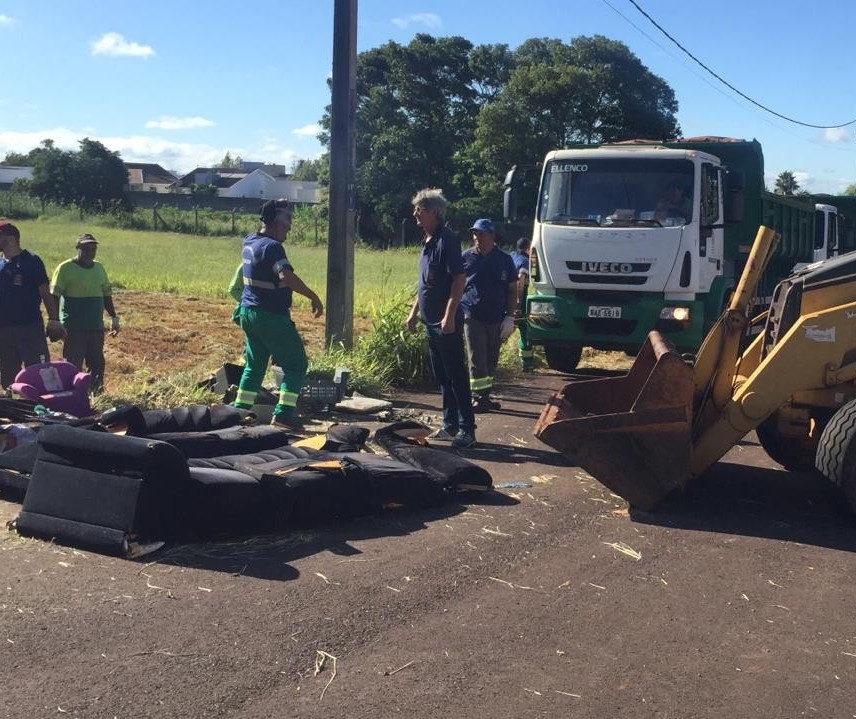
(613, 313)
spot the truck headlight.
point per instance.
(542, 310)
(681, 314)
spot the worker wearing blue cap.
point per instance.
(489, 301)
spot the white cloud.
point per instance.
(115, 45)
(169, 122)
(837, 134)
(6, 21)
(803, 178)
(428, 19)
(308, 130)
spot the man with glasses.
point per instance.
(437, 304)
(265, 314)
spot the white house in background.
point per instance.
(251, 180)
(149, 177)
(259, 184)
(10, 173)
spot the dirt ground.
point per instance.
(164, 334)
(545, 599)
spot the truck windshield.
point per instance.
(619, 191)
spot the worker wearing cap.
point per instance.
(489, 302)
(265, 314)
(23, 289)
(81, 288)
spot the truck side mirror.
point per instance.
(511, 178)
(509, 204)
(732, 199)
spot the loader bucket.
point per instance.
(631, 433)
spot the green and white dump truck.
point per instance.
(611, 260)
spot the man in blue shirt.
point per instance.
(23, 288)
(489, 301)
(265, 314)
(437, 304)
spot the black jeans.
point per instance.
(446, 353)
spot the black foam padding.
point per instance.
(226, 502)
(98, 490)
(13, 485)
(395, 483)
(270, 455)
(231, 440)
(451, 470)
(320, 488)
(346, 438)
(21, 458)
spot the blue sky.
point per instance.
(181, 84)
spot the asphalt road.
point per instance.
(548, 599)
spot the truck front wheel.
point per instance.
(563, 357)
(836, 451)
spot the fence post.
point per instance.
(196, 219)
(234, 210)
(155, 216)
(403, 233)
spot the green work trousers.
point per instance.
(271, 335)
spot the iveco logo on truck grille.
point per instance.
(606, 267)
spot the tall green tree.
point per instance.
(593, 90)
(94, 177)
(310, 170)
(416, 109)
(440, 112)
(851, 190)
(786, 184)
(17, 159)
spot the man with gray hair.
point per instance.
(437, 304)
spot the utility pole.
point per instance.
(341, 233)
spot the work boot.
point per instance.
(463, 440)
(290, 423)
(483, 403)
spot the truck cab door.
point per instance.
(710, 238)
(825, 232)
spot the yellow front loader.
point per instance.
(646, 434)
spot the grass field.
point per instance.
(194, 266)
(171, 291)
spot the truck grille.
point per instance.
(607, 279)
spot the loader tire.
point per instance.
(563, 358)
(836, 452)
(792, 453)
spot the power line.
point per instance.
(728, 84)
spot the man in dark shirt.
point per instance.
(489, 301)
(265, 314)
(437, 304)
(23, 289)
